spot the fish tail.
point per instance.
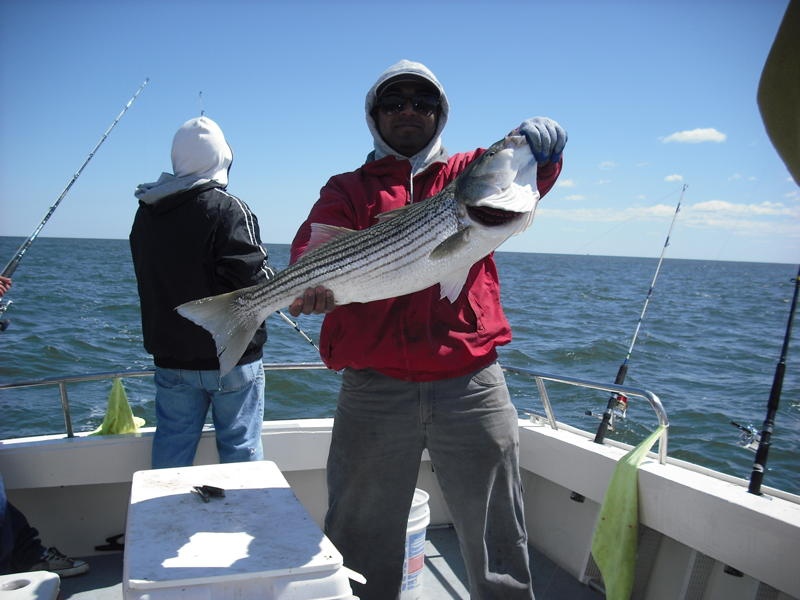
(231, 327)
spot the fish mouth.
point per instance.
(491, 217)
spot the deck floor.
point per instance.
(443, 577)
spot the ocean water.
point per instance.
(708, 345)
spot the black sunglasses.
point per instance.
(426, 104)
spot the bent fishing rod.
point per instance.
(270, 273)
(760, 462)
(616, 399)
(12, 265)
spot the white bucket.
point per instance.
(418, 519)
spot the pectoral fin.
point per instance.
(451, 245)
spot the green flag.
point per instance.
(616, 534)
(119, 417)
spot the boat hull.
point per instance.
(702, 535)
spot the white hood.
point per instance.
(434, 151)
(200, 155)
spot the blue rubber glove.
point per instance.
(545, 137)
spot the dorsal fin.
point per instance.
(391, 214)
(322, 233)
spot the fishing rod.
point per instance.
(749, 437)
(618, 402)
(12, 265)
(760, 462)
(296, 327)
(270, 273)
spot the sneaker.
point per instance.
(54, 561)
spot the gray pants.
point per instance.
(469, 427)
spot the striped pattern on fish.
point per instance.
(409, 249)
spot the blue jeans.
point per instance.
(182, 401)
(20, 546)
(470, 429)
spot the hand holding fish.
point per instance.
(545, 137)
(316, 300)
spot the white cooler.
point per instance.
(256, 542)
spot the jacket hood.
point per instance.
(200, 155)
(434, 151)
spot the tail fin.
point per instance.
(231, 327)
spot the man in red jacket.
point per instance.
(420, 371)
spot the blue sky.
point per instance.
(653, 95)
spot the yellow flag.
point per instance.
(119, 417)
(616, 534)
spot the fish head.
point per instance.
(499, 188)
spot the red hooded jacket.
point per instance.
(416, 337)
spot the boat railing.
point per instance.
(63, 382)
(540, 379)
(611, 388)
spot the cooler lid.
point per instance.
(258, 530)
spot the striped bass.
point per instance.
(407, 250)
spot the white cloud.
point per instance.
(673, 177)
(695, 136)
(575, 197)
(608, 215)
(567, 183)
(721, 207)
(765, 218)
(606, 165)
(740, 177)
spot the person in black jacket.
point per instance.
(190, 239)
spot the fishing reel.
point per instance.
(749, 436)
(4, 323)
(618, 412)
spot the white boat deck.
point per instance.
(443, 576)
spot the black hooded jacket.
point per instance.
(188, 244)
